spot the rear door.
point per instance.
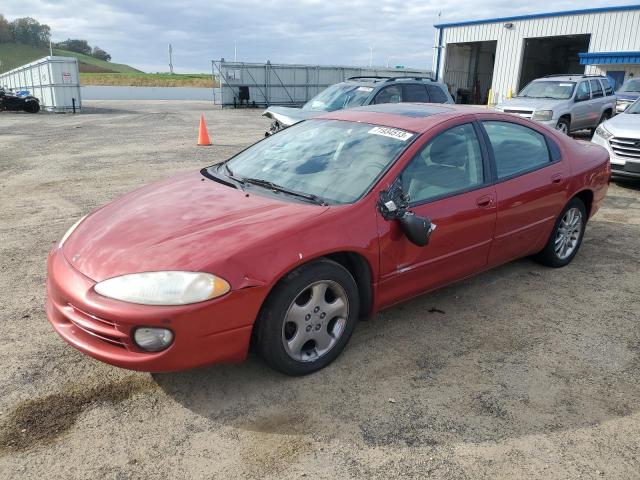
(448, 181)
(531, 187)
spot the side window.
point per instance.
(596, 88)
(415, 93)
(449, 163)
(583, 91)
(436, 94)
(608, 89)
(390, 94)
(516, 149)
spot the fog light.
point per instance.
(153, 339)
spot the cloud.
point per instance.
(304, 31)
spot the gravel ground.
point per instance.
(522, 371)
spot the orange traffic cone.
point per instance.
(203, 135)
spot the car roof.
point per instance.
(568, 78)
(415, 117)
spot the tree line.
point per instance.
(29, 31)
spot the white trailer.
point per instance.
(55, 81)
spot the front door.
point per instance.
(581, 113)
(449, 182)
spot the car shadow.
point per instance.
(512, 352)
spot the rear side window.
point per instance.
(596, 88)
(436, 94)
(391, 94)
(516, 149)
(608, 89)
(415, 93)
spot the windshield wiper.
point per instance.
(279, 188)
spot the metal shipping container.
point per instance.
(282, 84)
(55, 81)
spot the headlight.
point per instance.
(70, 231)
(542, 115)
(163, 288)
(603, 132)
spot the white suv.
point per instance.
(565, 102)
(621, 137)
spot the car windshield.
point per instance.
(335, 161)
(634, 108)
(630, 86)
(548, 89)
(339, 96)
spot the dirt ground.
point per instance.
(521, 372)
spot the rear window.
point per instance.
(436, 94)
(415, 93)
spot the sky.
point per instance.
(326, 32)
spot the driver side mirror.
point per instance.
(393, 205)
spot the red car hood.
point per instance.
(183, 223)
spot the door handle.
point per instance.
(485, 201)
(557, 178)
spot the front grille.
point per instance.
(96, 327)
(625, 147)
(522, 113)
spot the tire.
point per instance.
(564, 126)
(31, 106)
(308, 318)
(554, 253)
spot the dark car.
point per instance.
(359, 91)
(17, 102)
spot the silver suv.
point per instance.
(565, 102)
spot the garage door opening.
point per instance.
(552, 55)
(469, 70)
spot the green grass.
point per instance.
(86, 63)
(13, 55)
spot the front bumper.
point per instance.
(620, 166)
(215, 331)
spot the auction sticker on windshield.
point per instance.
(392, 133)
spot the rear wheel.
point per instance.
(566, 237)
(31, 106)
(564, 125)
(308, 318)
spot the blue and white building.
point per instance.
(504, 54)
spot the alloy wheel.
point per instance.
(568, 233)
(315, 321)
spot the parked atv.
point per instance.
(13, 102)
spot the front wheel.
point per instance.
(308, 318)
(564, 126)
(566, 237)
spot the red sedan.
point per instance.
(286, 245)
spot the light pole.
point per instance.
(370, 56)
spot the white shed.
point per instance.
(55, 81)
(505, 54)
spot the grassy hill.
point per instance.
(13, 55)
(99, 72)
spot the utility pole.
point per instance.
(50, 48)
(370, 56)
(170, 60)
(235, 51)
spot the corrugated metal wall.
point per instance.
(55, 81)
(610, 32)
(278, 84)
